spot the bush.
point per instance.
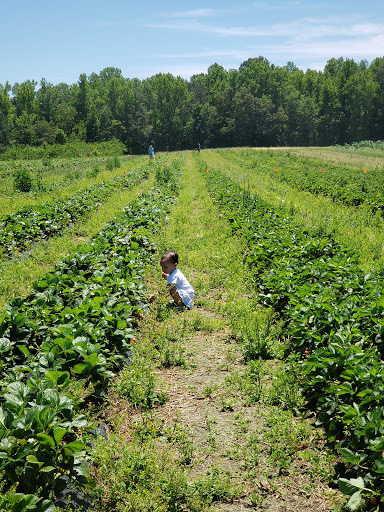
(92, 173)
(112, 163)
(23, 180)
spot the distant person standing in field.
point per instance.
(151, 152)
(198, 147)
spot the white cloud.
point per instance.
(202, 53)
(301, 29)
(194, 13)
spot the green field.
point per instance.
(267, 395)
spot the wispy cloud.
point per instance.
(303, 28)
(238, 54)
(193, 13)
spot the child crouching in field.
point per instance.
(179, 287)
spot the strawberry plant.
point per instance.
(332, 312)
(19, 229)
(76, 323)
(349, 186)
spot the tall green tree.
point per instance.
(168, 103)
(24, 97)
(6, 110)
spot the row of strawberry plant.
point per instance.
(77, 323)
(345, 185)
(331, 309)
(31, 223)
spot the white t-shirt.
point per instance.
(183, 287)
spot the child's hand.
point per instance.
(164, 275)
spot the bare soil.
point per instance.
(222, 425)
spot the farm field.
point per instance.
(272, 176)
(52, 232)
(254, 399)
(57, 179)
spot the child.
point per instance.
(179, 287)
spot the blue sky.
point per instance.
(60, 40)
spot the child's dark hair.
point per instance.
(170, 255)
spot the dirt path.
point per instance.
(251, 453)
(229, 434)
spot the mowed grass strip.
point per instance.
(216, 429)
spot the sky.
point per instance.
(60, 40)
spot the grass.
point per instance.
(364, 158)
(11, 201)
(18, 274)
(212, 442)
(356, 228)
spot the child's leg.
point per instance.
(175, 295)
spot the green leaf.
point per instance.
(52, 396)
(5, 345)
(33, 460)
(79, 368)
(349, 487)
(379, 466)
(24, 350)
(31, 414)
(45, 417)
(47, 506)
(82, 470)
(46, 439)
(75, 446)
(47, 469)
(355, 501)
(58, 434)
(19, 319)
(2, 417)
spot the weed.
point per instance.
(216, 485)
(137, 383)
(227, 405)
(286, 435)
(172, 354)
(209, 390)
(254, 328)
(148, 426)
(162, 310)
(180, 436)
(200, 322)
(92, 173)
(285, 390)
(248, 383)
(322, 464)
(112, 163)
(23, 180)
(241, 423)
(138, 477)
(251, 452)
(256, 499)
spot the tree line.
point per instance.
(259, 104)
